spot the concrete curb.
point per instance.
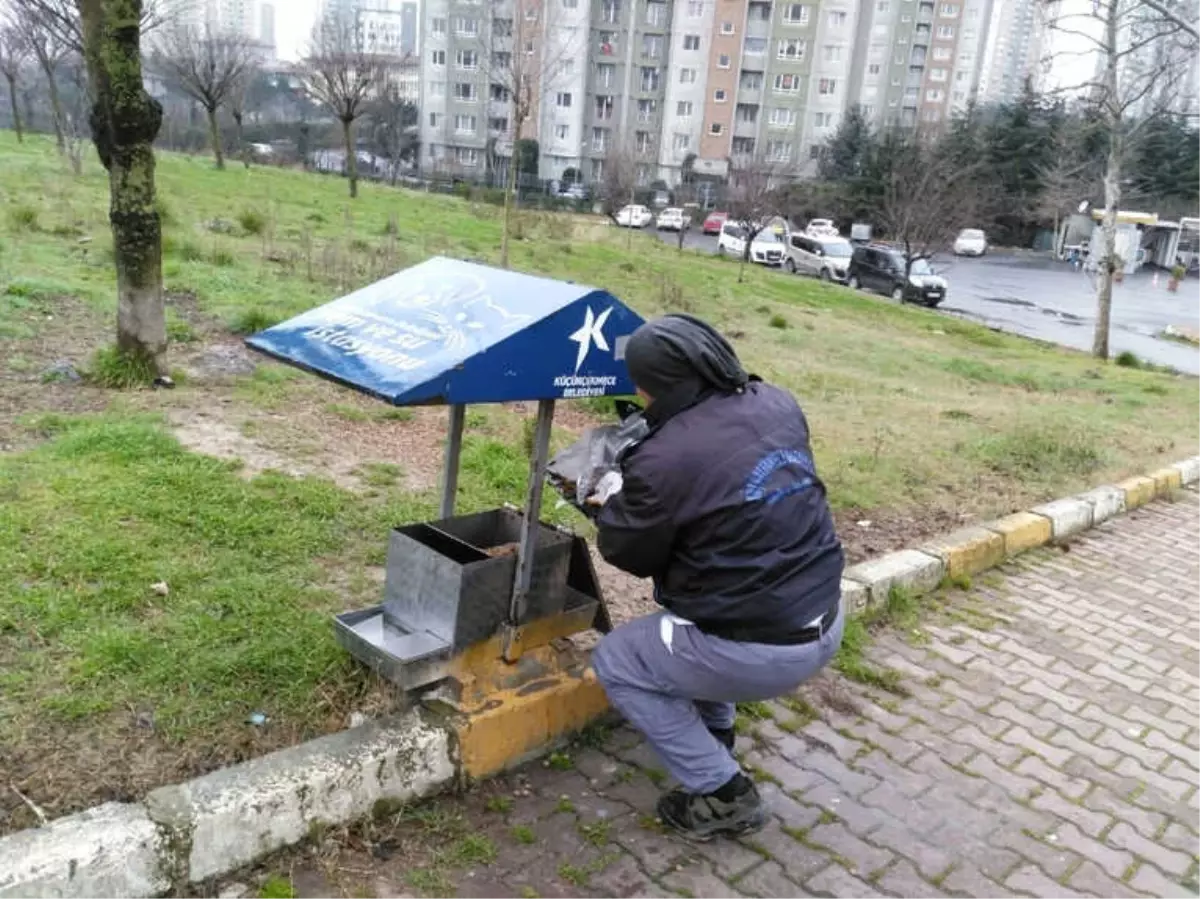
(974, 549)
(211, 825)
(207, 827)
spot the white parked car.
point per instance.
(826, 258)
(970, 242)
(821, 228)
(634, 217)
(765, 248)
(673, 219)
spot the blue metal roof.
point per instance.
(447, 331)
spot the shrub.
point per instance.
(252, 320)
(23, 217)
(1127, 359)
(252, 221)
(117, 370)
(778, 321)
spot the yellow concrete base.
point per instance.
(1138, 491)
(1166, 480)
(1023, 531)
(514, 725)
(968, 550)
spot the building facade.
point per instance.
(671, 87)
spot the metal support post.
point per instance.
(529, 530)
(454, 437)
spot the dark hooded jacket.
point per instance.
(721, 504)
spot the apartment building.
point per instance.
(1017, 31)
(708, 84)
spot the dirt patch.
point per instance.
(866, 533)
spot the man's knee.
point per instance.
(615, 657)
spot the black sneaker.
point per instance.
(702, 816)
(725, 736)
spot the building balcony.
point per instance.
(744, 128)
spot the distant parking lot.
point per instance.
(1040, 298)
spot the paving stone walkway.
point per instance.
(1048, 746)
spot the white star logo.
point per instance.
(592, 332)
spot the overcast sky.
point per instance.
(293, 25)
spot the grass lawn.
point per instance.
(108, 686)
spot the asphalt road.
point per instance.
(1047, 300)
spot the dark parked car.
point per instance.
(881, 269)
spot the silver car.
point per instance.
(826, 258)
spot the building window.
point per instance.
(837, 19)
(464, 124)
(652, 45)
(643, 142)
(650, 78)
(827, 87)
(604, 74)
(683, 109)
(434, 120)
(563, 100)
(791, 48)
(687, 76)
(941, 52)
(466, 26)
(873, 68)
(437, 26)
(833, 53)
(934, 95)
(438, 57)
(604, 108)
(502, 27)
(656, 14)
(695, 9)
(787, 84)
(715, 128)
(467, 59)
(883, 6)
(646, 110)
(795, 13)
(610, 12)
(937, 74)
(566, 67)
(529, 47)
(437, 89)
(726, 28)
(597, 170)
(681, 142)
(945, 32)
(814, 151)
(464, 90)
(570, 4)
(823, 119)
(501, 60)
(466, 156)
(723, 61)
(499, 93)
(599, 140)
(531, 13)
(498, 123)
(779, 151)
(949, 10)
(562, 133)
(719, 95)
(754, 46)
(691, 42)
(782, 117)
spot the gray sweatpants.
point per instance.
(674, 695)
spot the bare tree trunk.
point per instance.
(1112, 187)
(351, 156)
(125, 120)
(1108, 238)
(241, 140)
(214, 136)
(509, 187)
(16, 110)
(56, 112)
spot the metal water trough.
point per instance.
(456, 333)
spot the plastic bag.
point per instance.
(576, 471)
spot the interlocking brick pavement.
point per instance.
(1048, 747)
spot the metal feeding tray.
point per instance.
(454, 333)
(450, 582)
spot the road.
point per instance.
(1047, 300)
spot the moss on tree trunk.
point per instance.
(125, 120)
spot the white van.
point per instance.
(826, 258)
(765, 248)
